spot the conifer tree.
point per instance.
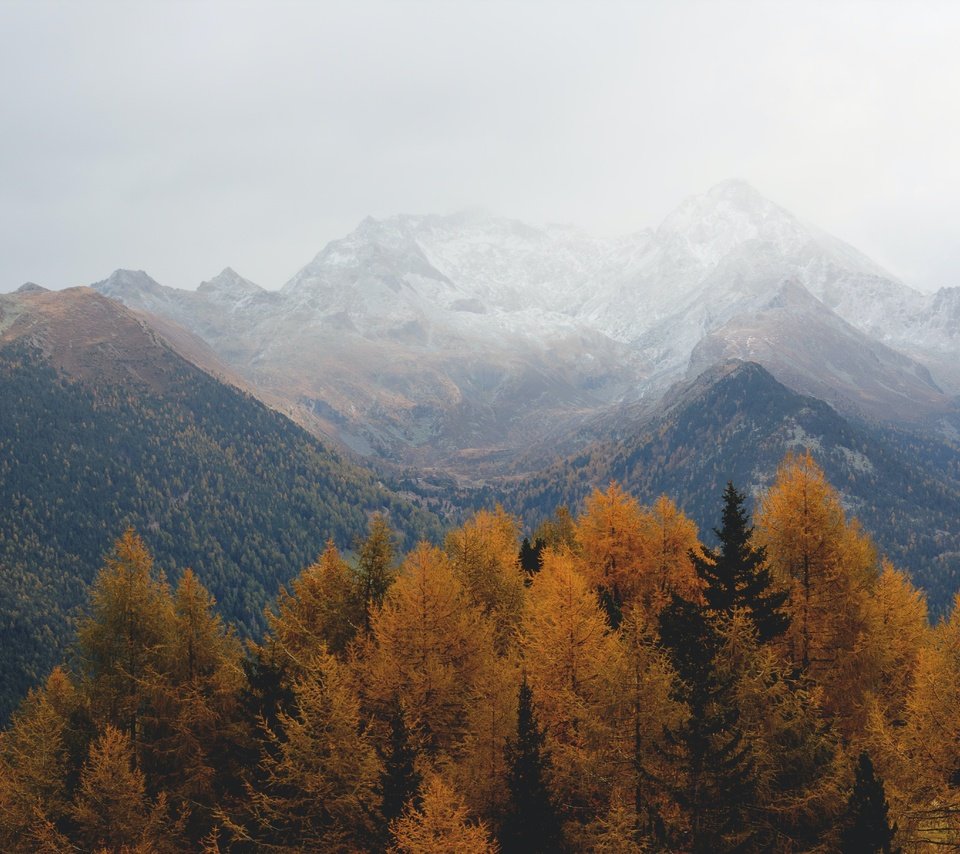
(400, 780)
(531, 824)
(127, 638)
(867, 829)
(530, 554)
(716, 783)
(111, 809)
(440, 825)
(321, 608)
(375, 571)
(735, 574)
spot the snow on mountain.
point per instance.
(425, 322)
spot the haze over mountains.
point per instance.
(456, 339)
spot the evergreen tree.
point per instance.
(715, 780)
(531, 824)
(735, 574)
(400, 780)
(530, 554)
(867, 829)
(375, 565)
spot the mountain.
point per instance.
(736, 422)
(460, 341)
(104, 424)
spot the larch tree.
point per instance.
(828, 566)
(480, 771)
(484, 556)
(111, 810)
(193, 720)
(321, 609)
(575, 665)
(427, 648)
(127, 637)
(319, 790)
(612, 547)
(440, 825)
(34, 763)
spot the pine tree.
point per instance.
(531, 824)
(400, 780)
(716, 783)
(867, 829)
(375, 570)
(735, 574)
(530, 554)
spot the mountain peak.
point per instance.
(229, 281)
(31, 288)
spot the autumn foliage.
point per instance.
(627, 688)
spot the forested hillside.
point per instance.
(737, 422)
(210, 477)
(628, 690)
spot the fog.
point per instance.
(180, 138)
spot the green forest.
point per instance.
(209, 477)
(606, 683)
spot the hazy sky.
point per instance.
(180, 138)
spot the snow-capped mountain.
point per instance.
(447, 334)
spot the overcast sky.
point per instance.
(180, 138)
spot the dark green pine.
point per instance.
(867, 828)
(736, 574)
(531, 823)
(400, 781)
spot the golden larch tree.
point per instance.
(440, 826)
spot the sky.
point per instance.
(184, 137)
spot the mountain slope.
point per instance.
(450, 340)
(104, 426)
(736, 422)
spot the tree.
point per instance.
(400, 780)
(866, 829)
(531, 823)
(127, 636)
(829, 568)
(193, 730)
(530, 554)
(735, 574)
(716, 771)
(483, 555)
(574, 665)
(34, 762)
(440, 825)
(427, 647)
(111, 809)
(321, 772)
(323, 606)
(375, 565)
(635, 555)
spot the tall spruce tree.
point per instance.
(531, 824)
(867, 829)
(736, 575)
(399, 782)
(714, 779)
(375, 570)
